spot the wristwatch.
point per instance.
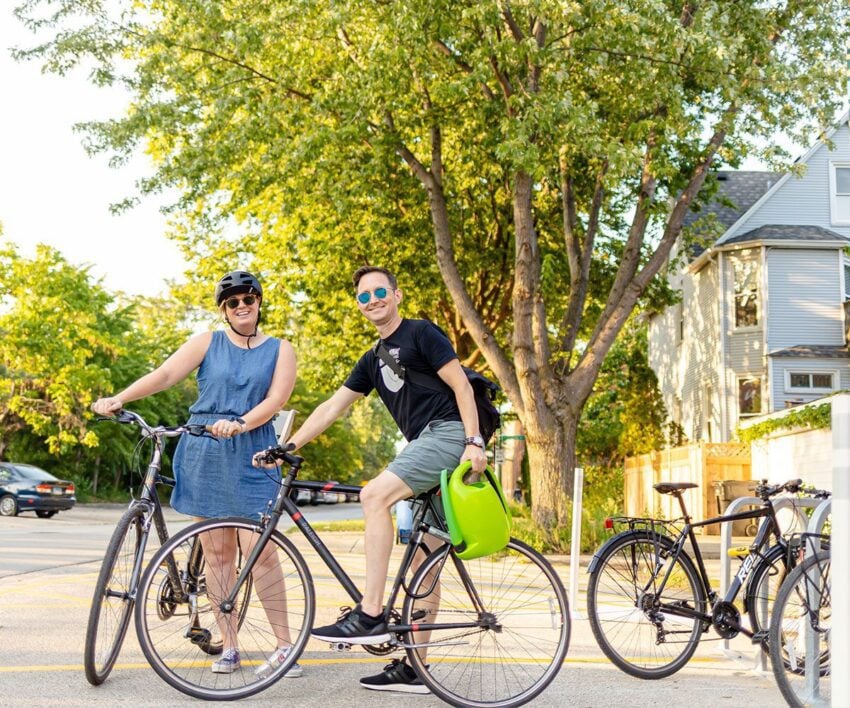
(476, 440)
(241, 421)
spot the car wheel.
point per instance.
(8, 506)
(45, 514)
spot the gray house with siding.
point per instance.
(762, 324)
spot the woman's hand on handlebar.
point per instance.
(107, 406)
(226, 428)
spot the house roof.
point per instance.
(814, 351)
(786, 232)
(743, 189)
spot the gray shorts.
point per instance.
(438, 447)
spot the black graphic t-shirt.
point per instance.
(419, 345)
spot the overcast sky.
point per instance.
(52, 192)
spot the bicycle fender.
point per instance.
(628, 533)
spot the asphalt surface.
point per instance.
(47, 572)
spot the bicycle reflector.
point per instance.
(477, 514)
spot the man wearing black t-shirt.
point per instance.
(441, 429)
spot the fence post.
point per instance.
(840, 550)
(575, 539)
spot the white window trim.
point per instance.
(833, 218)
(758, 326)
(796, 389)
(744, 377)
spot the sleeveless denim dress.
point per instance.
(215, 477)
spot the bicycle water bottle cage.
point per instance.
(477, 514)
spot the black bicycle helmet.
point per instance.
(236, 283)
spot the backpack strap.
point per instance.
(435, 383)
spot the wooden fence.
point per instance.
(702, 463)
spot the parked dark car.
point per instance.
(28, 488)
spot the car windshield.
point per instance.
(35, 473)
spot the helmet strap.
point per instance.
(247, 336)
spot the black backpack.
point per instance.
(485, 390)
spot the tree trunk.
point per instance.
(551, 459)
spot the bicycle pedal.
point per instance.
(340, 646)
(760, 637)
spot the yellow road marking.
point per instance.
(305, 662)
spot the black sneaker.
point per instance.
(396, 676)
(354, 627)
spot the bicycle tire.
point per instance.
(805, 596)
(113, 599)
(160, 619)
(629, 624)
(767, 576)
(516, 656)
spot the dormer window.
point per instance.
(839, 193)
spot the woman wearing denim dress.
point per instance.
(244, 378)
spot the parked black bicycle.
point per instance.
(801, 628)
(487, 632)
(123, 563)
(649, 603)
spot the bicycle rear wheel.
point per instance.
(639, 629)
(799, 629)
(112, 603)
(518, 603)
(275, 608)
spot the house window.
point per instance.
(746, 293)
(839, 196)
(810, 381)
(749, 396)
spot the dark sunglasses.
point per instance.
(233, 302)
(364, 297)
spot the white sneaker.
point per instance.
(228, 663)
(275, 660)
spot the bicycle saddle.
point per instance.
(673, 487)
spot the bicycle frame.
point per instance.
(765, 530)
(283, 504)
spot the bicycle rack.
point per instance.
(796, 505)
(812, 669)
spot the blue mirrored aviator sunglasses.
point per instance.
(364, 297)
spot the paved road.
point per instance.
(48, 569)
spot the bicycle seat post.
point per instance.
(680, 496)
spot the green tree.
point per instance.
(505, 156)
(625, 414)
(65, 342)
(55, 325)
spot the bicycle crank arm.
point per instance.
(432, 644)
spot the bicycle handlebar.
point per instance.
(794, 486)
(165, 431)
(283, 453)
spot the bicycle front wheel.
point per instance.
(800, 634)
(112, 603)
(646, 632)
(177, 625)
(517, 626)
(767, 577)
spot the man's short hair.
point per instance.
(364, 270)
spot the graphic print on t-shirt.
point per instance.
(391, 380)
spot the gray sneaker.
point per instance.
(227, 663)
(275, 660)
